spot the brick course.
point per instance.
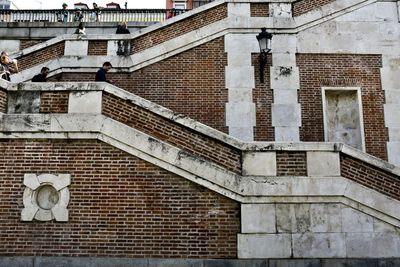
(97, 48)
(291, 163)
(179, 28)
(333, 70)
(370, 176)
(259, 9)
(170, 132)
(28, 43)
(3, 101)
(54, 102)
(263, 97)
(120, 206)
(191, 83)
(41, 56)
(304, 6)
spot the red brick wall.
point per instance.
(3, 101)
(259, 9)
(97, 48)
(121, 206)
(370, 176)
(304, 6)
(263, 98)
(41, 56)
(291, 163)
(28, 43)
(170, 132)
(179, 28)
(191, 83)
(318, 70)
(54, 102)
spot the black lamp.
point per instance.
(264, 40)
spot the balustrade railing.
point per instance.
(89, 15)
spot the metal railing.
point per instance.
(89, 15)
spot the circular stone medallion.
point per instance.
(47, 197)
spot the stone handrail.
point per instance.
(89, 15)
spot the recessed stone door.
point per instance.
(46, 197)
(343, 117)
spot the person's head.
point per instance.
(124, 25)
(44, 71)
(64, 6)
(107, 66)
(4, 58)
(94, 5)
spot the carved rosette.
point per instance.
(46, 197)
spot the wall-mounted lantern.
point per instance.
(264, 40)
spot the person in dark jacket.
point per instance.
(101, 73)
(122, 28)
(41, 77)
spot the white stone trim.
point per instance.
(32, 210)
(360, 110)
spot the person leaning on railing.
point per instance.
(7, 66)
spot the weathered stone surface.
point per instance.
(24, 102)
(76, 48)
(295, 263)
(258, 218)
(259, 163)
(354, 221)
(319, 245)
(84, 102)
(325, 218)
(323, 164)
(258, 246)
(372, 245)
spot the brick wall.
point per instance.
(28, 43)
(259, 9)
(291, 163)
(318, 70)
(191, 83)
(41, 56)
(179, 28)
(170, 132)
(120, 206)
(304, 6)
(370, 176)
(263, 98)
(54, 102)
(3, 101)
(97, 48)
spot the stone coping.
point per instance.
(202, 128)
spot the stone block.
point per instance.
(76, 48)
(242, 133)
(392, 114)
(235, 58)
(372, 245)
(280, 10)
(16, 261)
(319, 245)
(175, 263)
(259, 246)
(354, 221)
(293, 218)
(84, 102)
(392, 96)
(349, 262)
(285, 77)
(390, 79)
(393, 149)
(89, 262)
(383, 227)
(258, 218)
(286, 115)
(240, 114)
(388, 263)
(285, 96)
(259, 163)
(239, 43)
(325, 218)
(284, 59)
(240, 95)
(239, 9)
(239, 77)
(320, 163)
(295, 263)
(234, 263)
(287, 134)
(284, 43)
(31, 181)
(23, 102)
(10, 46)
